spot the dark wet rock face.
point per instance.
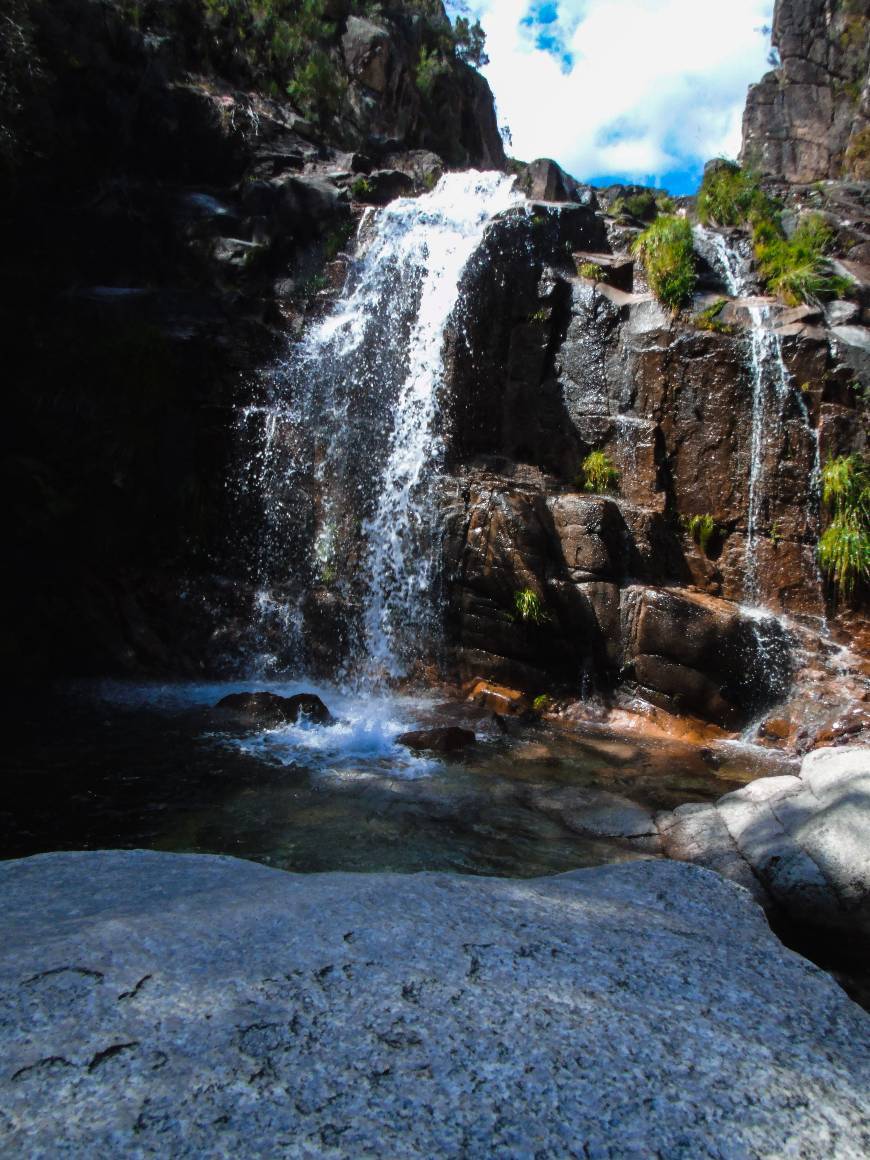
(171, 216)
(809, 119)
(444, 739)
(550, 366)
(270, 709)
(552, 363)
(583, 558)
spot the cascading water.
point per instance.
(349, 445)
(773, 393)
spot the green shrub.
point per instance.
(637, 205)
(668, 258)
(541, 703)
(469, 40)
(317, 88)
(644, 205)
(845, 483)
(702, 529)
(708, 319)
(591, 270)
(431, 64)
(361, 188)
(528, 607)
(599, 474)
(844, 549)
(797, 268)
(844, 553)
(729, 196)
(335, 241)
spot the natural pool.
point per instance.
(122, 765)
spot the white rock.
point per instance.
(805, 838)
(187, 1006)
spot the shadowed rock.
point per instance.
(445, 739)
(270, 709)
(799, 842)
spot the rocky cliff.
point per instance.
(180, 180)
(183, 189)
(566, 353)
(809, 119)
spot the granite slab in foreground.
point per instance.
(179, 1005)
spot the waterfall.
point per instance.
(772, 390)
(348, 448)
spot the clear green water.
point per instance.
(126, 766)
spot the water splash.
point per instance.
(349, 446)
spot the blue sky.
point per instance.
(624, 90)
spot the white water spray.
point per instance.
(352, 447)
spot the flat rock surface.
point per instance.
(185, 1005)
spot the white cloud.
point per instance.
(656, 86)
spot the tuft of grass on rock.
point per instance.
(797, 269)
(708, 319)
(665, 248)
(529, 608)
(844, 549)
(598, 473)
(592, 271)
(730, 195)
(702, 529)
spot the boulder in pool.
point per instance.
(444, 739)
(270, 709)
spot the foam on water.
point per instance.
(363, 739)
(360, 744)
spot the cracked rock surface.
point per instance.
(800, 842)
(185, 1005)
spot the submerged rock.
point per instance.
(190, 1005)
(270, 709)
(444, 739)
(597, 811)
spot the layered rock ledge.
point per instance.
(799, 843)
(189, 1005)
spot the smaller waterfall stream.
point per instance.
(773, 393)
(350, 443)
